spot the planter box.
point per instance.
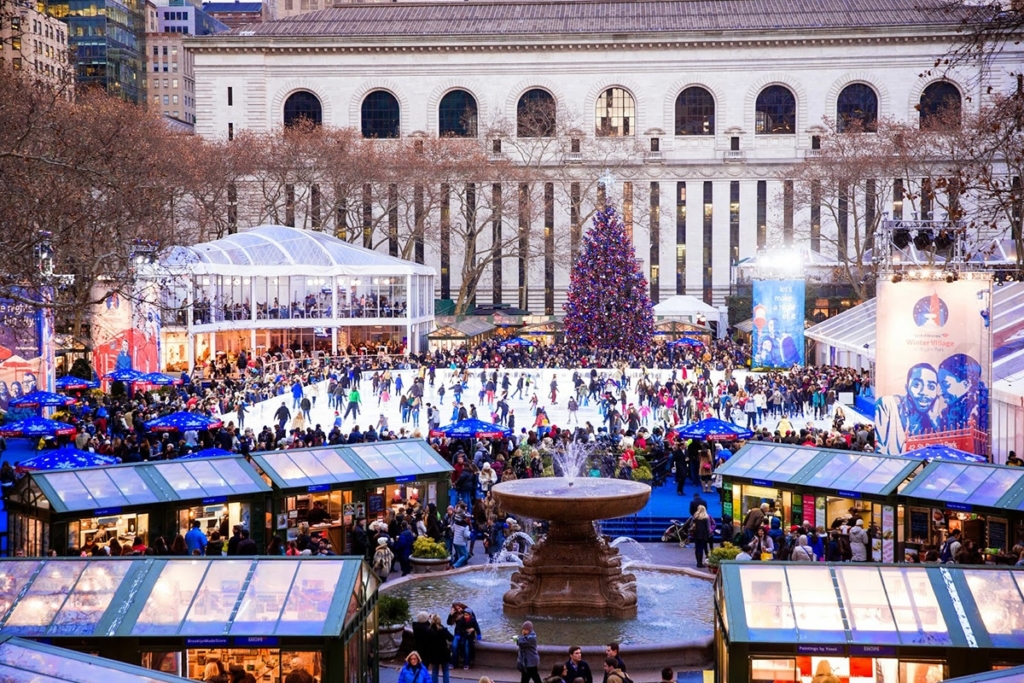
(389, 640)
(428, 566)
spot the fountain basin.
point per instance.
(675, 625)
(583, 499)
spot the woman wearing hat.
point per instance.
(528, 659)
(383, 559)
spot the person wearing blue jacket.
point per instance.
(528, 660)
(414, 670)
(403, 548)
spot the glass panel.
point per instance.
(831, 470)
(180, 480)
(13, 577)
(937, 481)
(90, 599)
(32, 663)
(797, 460)
(1000, 605)
(914, 607)
(264, 598)
(996, 487)
(71, 491)
(336, 465)
(424, 458)
(11, 675)
(815, 603)
(851, 476)
(766, 600)
(310, 599)
(209, 478)
(131, 485)
(883, 475)
(397, 456)
(103, 490)
(287, 469)
(376, 462)
(170, 598)
(963, 486)
(867, 607)
(216, 599)
(236, 477)
(46, 595)
(768, 461)
(740, 466)
(313, 468)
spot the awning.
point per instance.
(464, 329)
(852, 330)
(344, 464)
(27, 660)
(964, 486)
(682, 305)
(772, 464)
(143, 597)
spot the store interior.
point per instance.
(846, 670)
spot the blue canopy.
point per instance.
(469, 429)
(40, 399)
(36, 427)
(124, 375)
(159, 379)
(713, 429)
(205, 453)
(65, 459)
(940, 452)
(516, 341)
(182, 422)
(685, 341)
(72, 383)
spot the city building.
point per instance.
(235, 14)
(33, 42)
(108, 41)
(685, 116)
(168, 66)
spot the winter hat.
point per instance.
(860, 522)
(527, 626)
(382, 541)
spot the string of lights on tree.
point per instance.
(608, 304)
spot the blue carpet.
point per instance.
(665, 503)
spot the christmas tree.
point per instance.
(608, 304)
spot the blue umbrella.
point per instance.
(940, 452)
(72, 383)
(205, 453)
(516, 341)
(36, 427)
(65, 459)
(685, 341)
(713, 429)
(469, 429)
(124, 375)
(159, 379)
(40, 399)
(182, 422)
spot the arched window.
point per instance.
(775, 111)
(456, 115)
(535, 114)
(615, 114)
(857, 103)
(695, 112)
(381, 115)
(940, 103)
(303, 105)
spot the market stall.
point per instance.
(330, 486)
(865, 623)
(985, 502)
(79, 509)
(827, 487)
(270, 616)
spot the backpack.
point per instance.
(946, 552)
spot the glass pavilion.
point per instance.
(26, 661)
(867, 623)
(268, 615)
(276, 287)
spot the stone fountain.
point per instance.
(572, 571)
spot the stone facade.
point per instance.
(699, 202)
(34, 42)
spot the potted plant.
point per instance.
(643, 474)
(727, 551)
(392, 615)
(428, 556)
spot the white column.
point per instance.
(190, 348)
(748, 218)
(694, 237)
(721, 263)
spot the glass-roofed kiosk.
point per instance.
(71, 510)
(276, 287)
(865, 623)
(823, 486)
(270, 616)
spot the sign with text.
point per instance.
(777, 339)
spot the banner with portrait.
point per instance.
(933, 365)
(23, 363)
(777, 338)
(126, 334)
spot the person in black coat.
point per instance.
(360, 543)
(576, 667)
(696, 503)
(436, 650)
(682, 469)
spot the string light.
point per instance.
(608, 304)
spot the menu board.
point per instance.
(375, 503)
(808, 510)
(997, 533)
(918, 526)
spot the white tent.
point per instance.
(683, 306)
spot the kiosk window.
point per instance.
(310, 598)
(167, 602)
(867, 607)
(46, 596)
(264, 598)
(71, 491)
(914, 607)
(90, 599)
(131, 485)
(999, 603)
(215, 600)
(103, 490)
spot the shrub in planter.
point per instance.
(643, 473)
(425, 548)
(392, 611)
(727, 551)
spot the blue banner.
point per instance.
(777, 339)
